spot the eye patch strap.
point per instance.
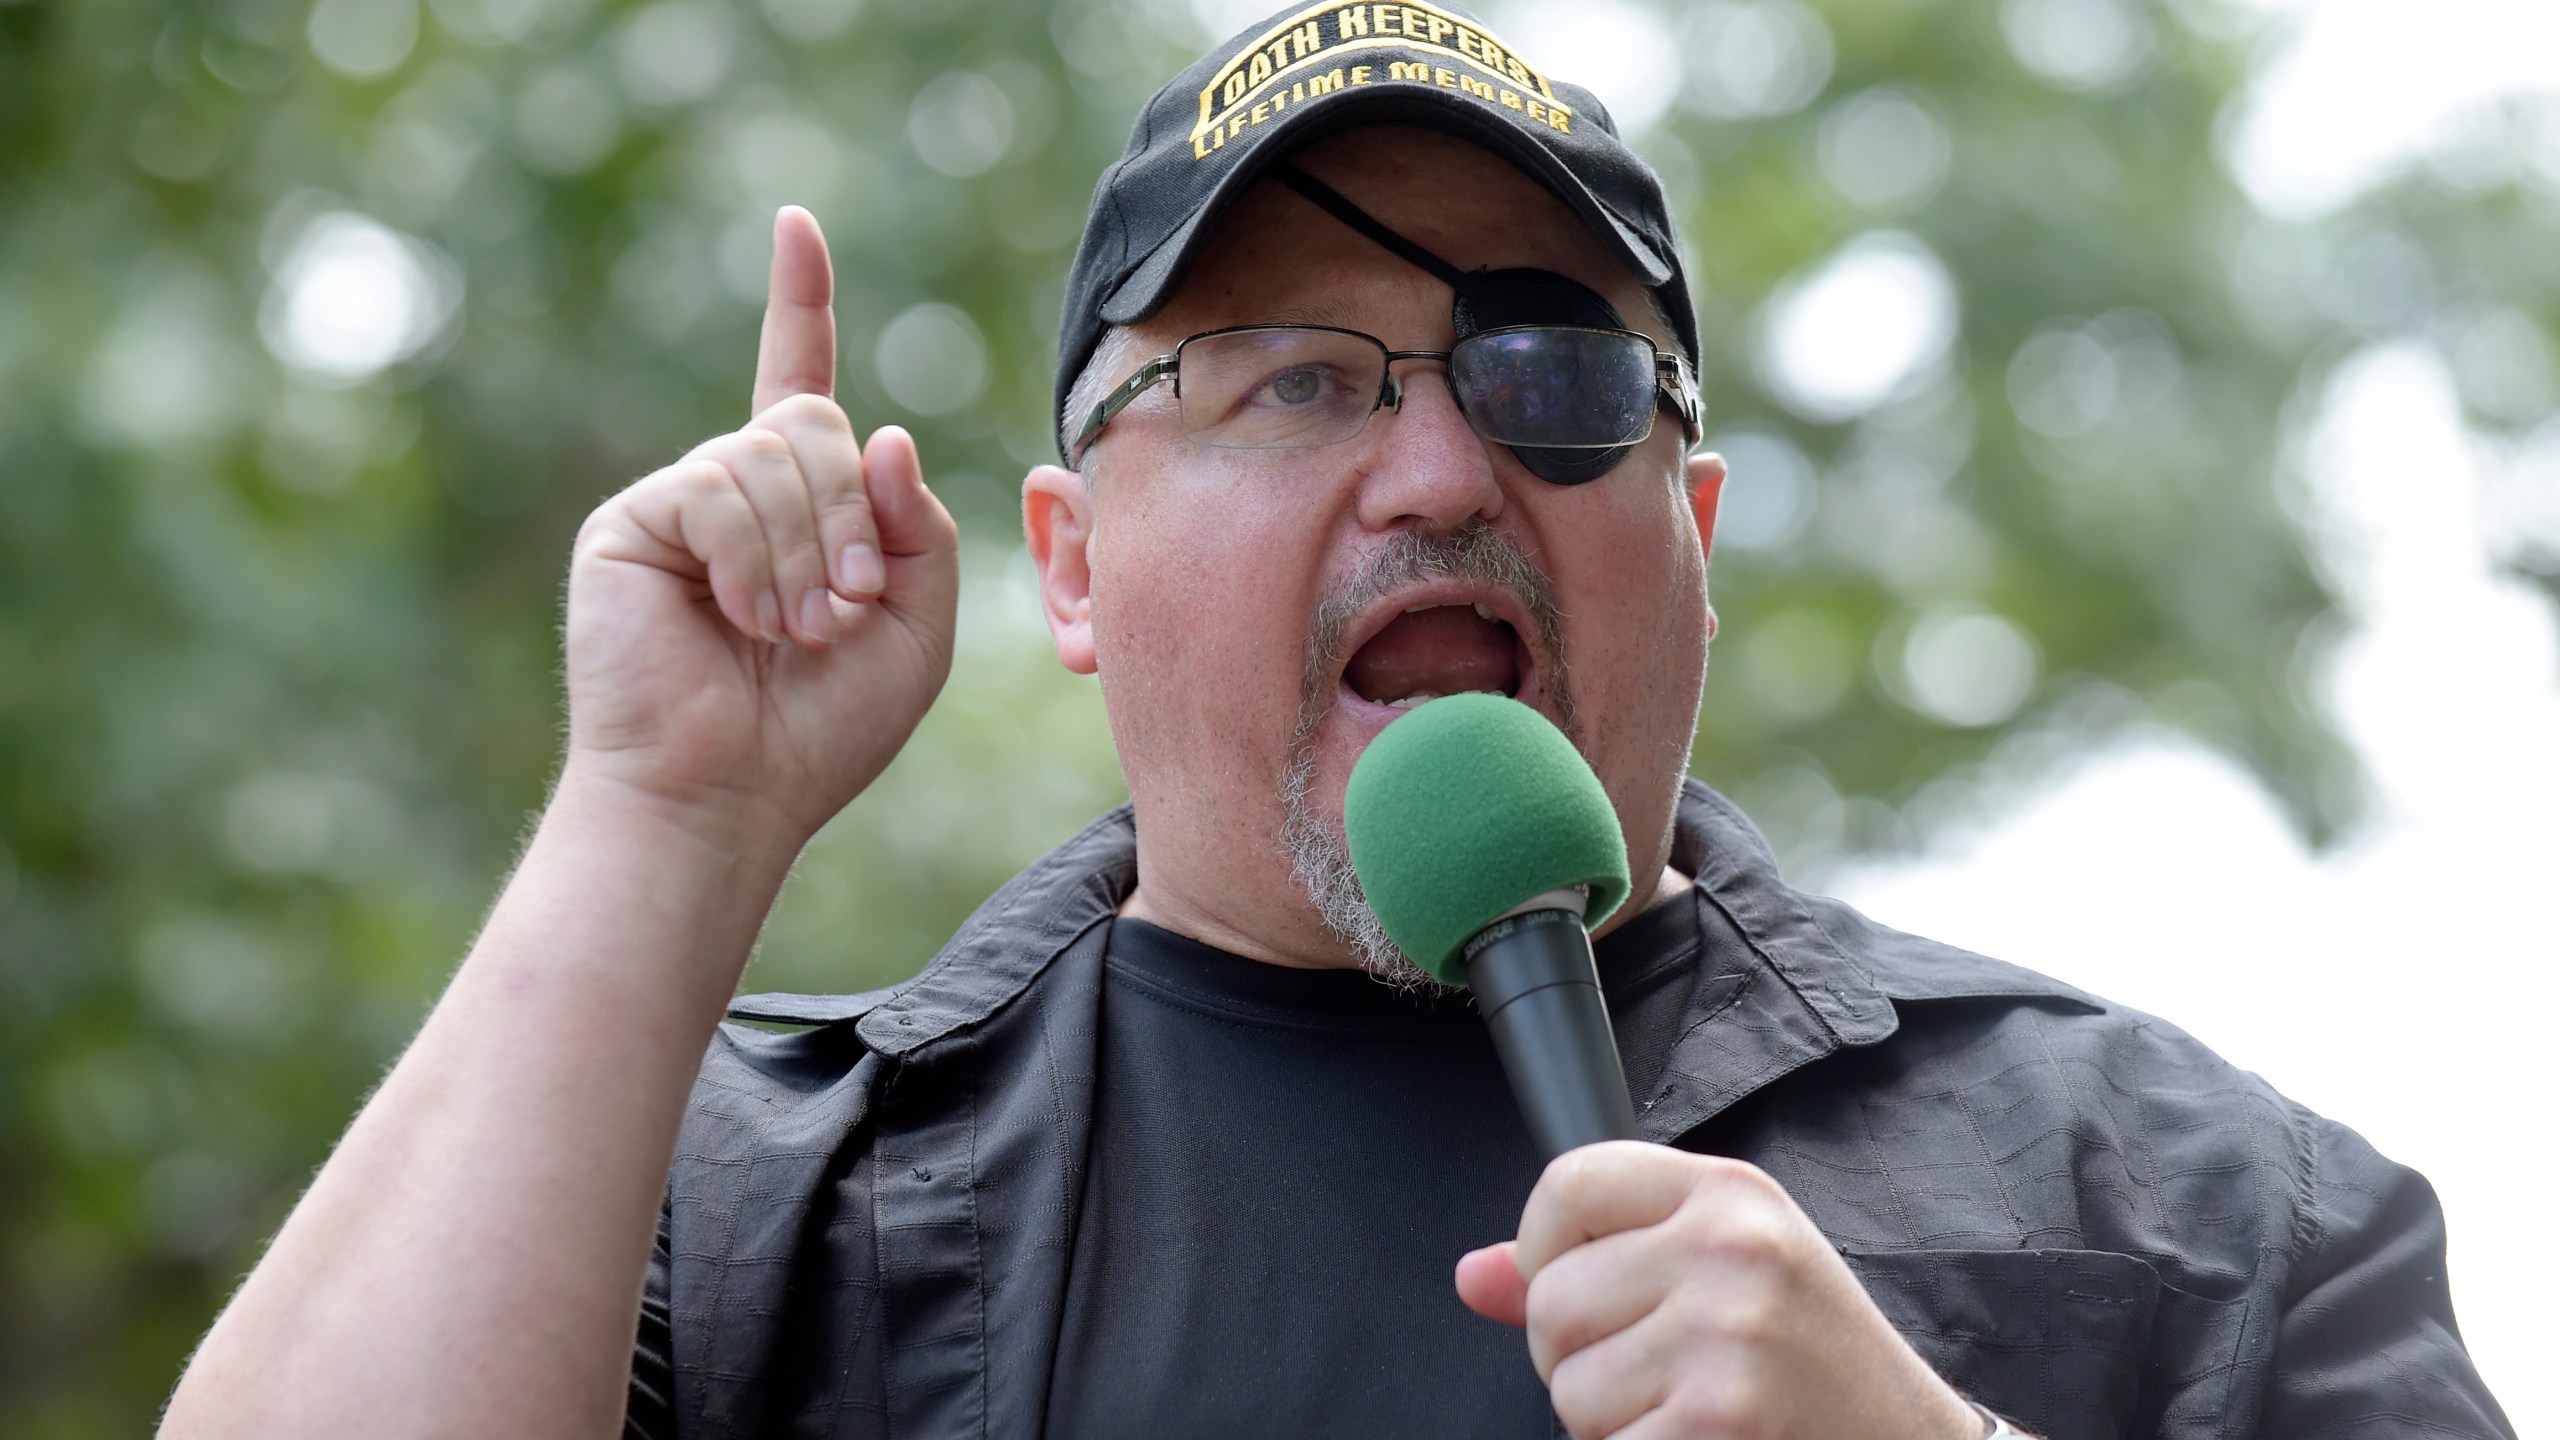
(1333, 203)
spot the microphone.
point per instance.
(1487, 850)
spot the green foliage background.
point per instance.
(278, 654)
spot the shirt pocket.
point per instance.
(2061, 1341)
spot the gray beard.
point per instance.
(1319, 856)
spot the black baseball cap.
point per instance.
(1314, 69)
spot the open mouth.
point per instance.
(1434, 646)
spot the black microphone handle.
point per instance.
(1539, 992)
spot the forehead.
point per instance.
(1274, 255)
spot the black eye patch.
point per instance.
(1497, 299)
(1490, 300)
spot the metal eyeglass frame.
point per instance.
(1673, 383)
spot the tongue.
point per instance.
(1444, 650)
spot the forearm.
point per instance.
(469, 1261)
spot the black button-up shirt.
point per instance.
(2078, 1214)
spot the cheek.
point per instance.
(1635, 629)
(1199, 636)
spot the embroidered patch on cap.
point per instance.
(1318, 52)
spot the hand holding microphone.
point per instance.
(1664, 1293)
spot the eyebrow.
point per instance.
(1318, 312)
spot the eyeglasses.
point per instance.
(1297, 387)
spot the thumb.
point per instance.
(1489, 1280)
(918, 538)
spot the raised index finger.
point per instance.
(797, 355)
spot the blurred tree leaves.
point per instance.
(321, 327)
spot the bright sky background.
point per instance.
(2377, 982)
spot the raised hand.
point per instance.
(755, 630)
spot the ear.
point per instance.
(1057, 523)
(1706, 489)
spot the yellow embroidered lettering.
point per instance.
(1510, 99)
(1350, 21)
(1261, 112)
(1297, 92)
(1417, 26)
(1444, 78)
(1324, 84)
(1558, 120)
(1304, 41)
(1382, 19)
(1512, 67)
(1438, 28)
(1234, 91)
(1259, 70)
(1359, 74)
(1537, 112)
(1399, 70)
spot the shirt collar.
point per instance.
(1843, 971)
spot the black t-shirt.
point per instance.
(1285, 1167)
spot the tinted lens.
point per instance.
(1556, 387)
(1278, 387)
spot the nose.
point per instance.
(1429, 467)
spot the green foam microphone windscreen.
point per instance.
(1467, 806)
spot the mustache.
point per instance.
(1475, 552)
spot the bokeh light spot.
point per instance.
(675, 52)
(363, 39)
(355, 297)
(1768, 489)
(1752, 59)
(2077, 44)
(1961, 666)
(1883, 149)
(932, 360)
(1622, 52)
(961, 123)
(1859, 328)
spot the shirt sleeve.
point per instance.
(2367, 1344)
(649, 1412)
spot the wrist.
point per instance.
(749, 836)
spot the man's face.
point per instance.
(1255, 615)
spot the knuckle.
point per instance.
(764, 447)
(848, 505)
(1750, 1240)
(1550, 1308)
(1722, 1407)
(799, 557)
(700, 480)
(808, 408)
(1577, 1398)
(1573, 1173)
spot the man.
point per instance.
(1377, 386)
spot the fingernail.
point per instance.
(769, 617)
(817, 617)
(863, 573)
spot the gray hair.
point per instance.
(1110, 357)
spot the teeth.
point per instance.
(1416, 698)
(1418, 609)
(1483, 613)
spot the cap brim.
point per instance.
(1157, 276)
